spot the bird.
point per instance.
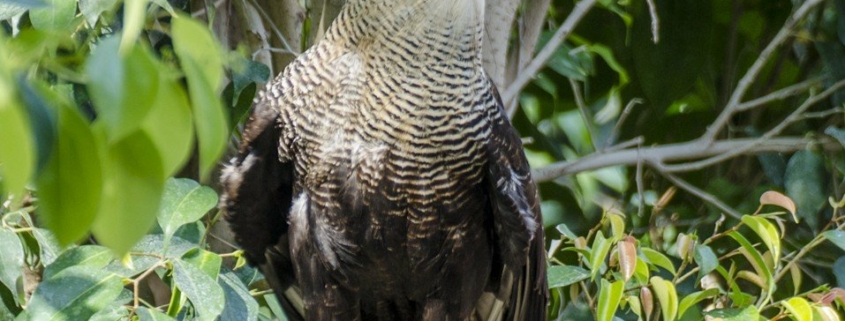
(378, 176)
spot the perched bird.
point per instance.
(380, 179)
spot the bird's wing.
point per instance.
(518, 226)
(256, 198)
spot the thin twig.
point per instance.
(585, 114)
(655, 21)
(622, 117)
(540, 60)
(273, 26)
(707, 197)
(779, 95)
(754, 70)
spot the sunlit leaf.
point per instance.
(767, 232)
(92, 9)
(169, 125)
(208, 262)
(617, 225)
(76, 293)
(778, 199)
(146, 314)
(601, 246)
(666, 295)
(203, 291)
(133, 189)
(756, 259)
(694, 298)
(658, 259)
(609, 296)
(799, 309)
(115, 81)
(57, 15)
(70, 187)
(134, 14)
(627, 252)
(825, 313)
(202, 63)
(11, 261)
(86, 255)
(17, 154)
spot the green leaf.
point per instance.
(11, 261)
(799, 309)
(564, 275)
(601, 246)
(169, 124)
(86, 255)
(48, 244)
(92, 9)
(246, 72)
(767, 232)
(756, 259)
(666, 295)
(57, 16)
(146, 314)
(706, 260)
(202, 63)
(693, 298)
(74, 294)
(804, 182)
(837, 237)
(206, 261)
(148, 252)
(240, 305)
(17, 154)
(133, 190)
(658, 259)
(70, 187)
(42, 117)
(184, 201)
(747, 313)
(134, 15)
(203, 291)
(123, 87)
(609, 297)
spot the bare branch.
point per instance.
(539, 61)
(622, 117)
(793, 117)
(585, 114)
(673, 153)
(707, 197)
(779, 95)
(655, 21)
(530, 25)
(754, 70)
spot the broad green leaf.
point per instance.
(146, 314)
(134, 15)
(641, 272)
(184, 201)
(86, 255)
(169, 124)
(799, 309)
(48, 244)
(607, 55)
(804, 182)
(147, 252)
(203, 291)
(202, 63)
(36, 97)
(11, 261)
(837, 237)
(601, 246)
(658, 259)
(240, 305)
(246, 72)
(92, 9)
(74, 294)
(208, 262)
(564, 275)
(123, 87)
(706, 260)
(70, 187)
(609, 296)
(617, 226)
(747, 313)
(17, 154)
(767, 232)
(115, 310)
(666, 295)
(56, 16)
(133, 190)
(566, 232)
(694, 298)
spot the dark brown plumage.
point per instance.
(379, 178)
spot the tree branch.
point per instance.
(673, 153)
(540, 60)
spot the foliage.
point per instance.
(651, 129)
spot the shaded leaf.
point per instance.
(74, 294)
(836, 237)
(658, 259)
(146, 314)
(203, 291)
(564, 275)
(11, 261)
(694, 298)
(746, 313)
(240, 305)
(92, 9)
(184, 201)
(57, 15)
(706, 260)
(17, 153)
(804, 182)
(86, 255)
